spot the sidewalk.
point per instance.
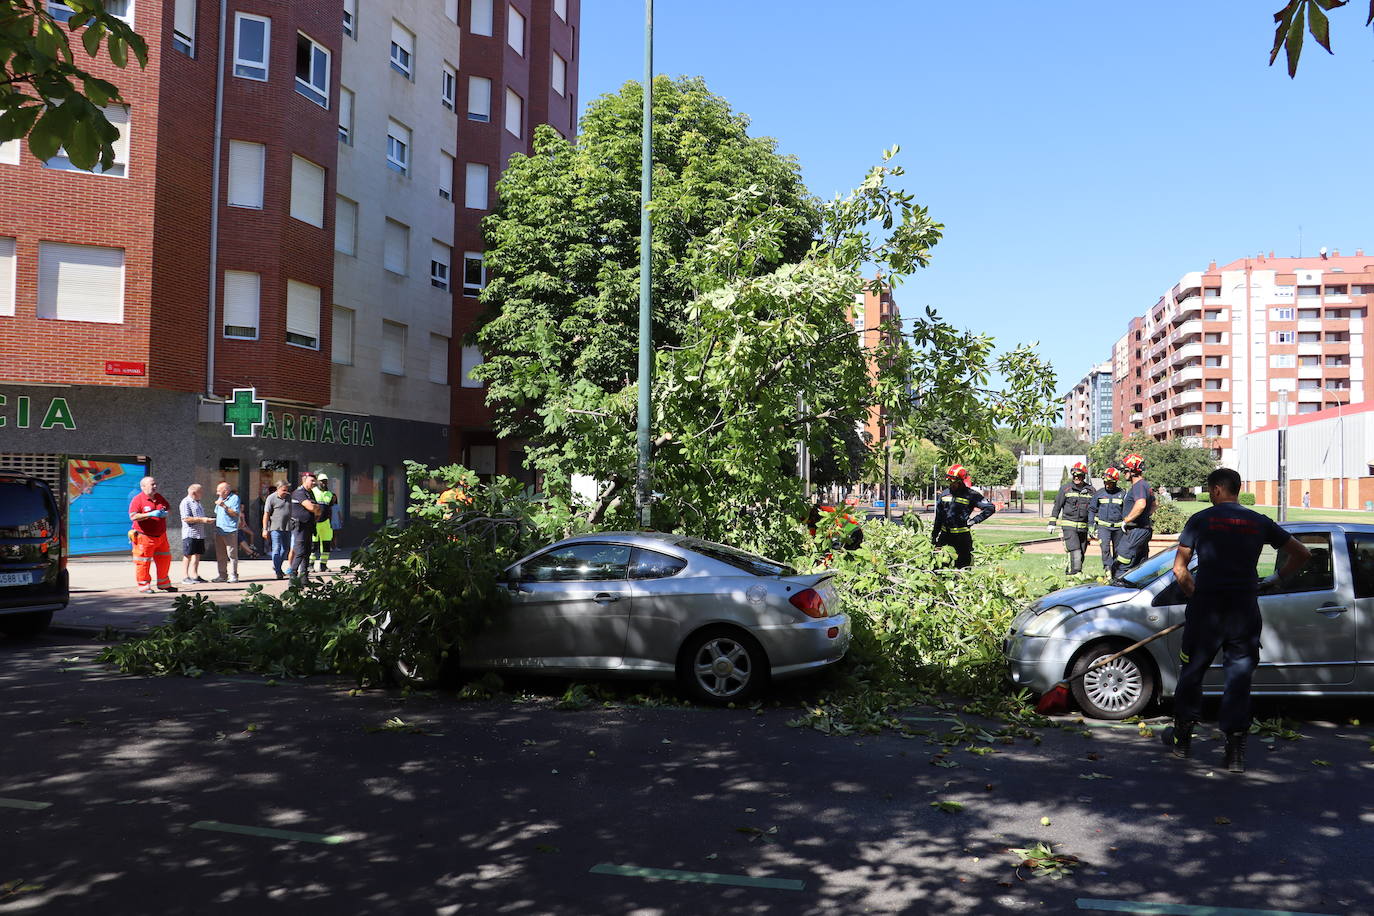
(104, 594)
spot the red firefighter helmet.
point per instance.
(1133, 462)
(1111, 474)
(957, 472)
(1079, 468)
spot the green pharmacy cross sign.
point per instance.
(244, 413)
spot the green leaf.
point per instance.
(1284, 18)
(118, 50)
(47, 136)
(83, 145)
(92, 37)
(1294, 42)
(1320, 27)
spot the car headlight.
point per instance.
(1045, 623)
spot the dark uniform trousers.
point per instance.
(1131, 549)
(1109, 538)
(1229, 622)
(962, 542)
(1075, 542)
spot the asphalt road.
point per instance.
(128, 795)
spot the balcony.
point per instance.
(1190, 419)
(1190, 374)
(1310, 349)
(1185, 353)
(1137, 417)
(1187, 329)
(1190, 305)
(1157, 349)
(1191, 396)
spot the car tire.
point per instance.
(1118, 690)
(722, 665)
(405, 664)
(25, 626)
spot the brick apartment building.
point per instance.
(1088, 407)
(873, 316)
(1208, 360)
(134, 303)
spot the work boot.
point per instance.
(1179, 739)
(1235, 751)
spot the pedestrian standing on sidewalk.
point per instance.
(1072, 511)
(195, 531)
(305, 512)
(1223, 609)
(276, 525)
(227, 509)
(148, 511)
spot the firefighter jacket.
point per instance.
(1108, 507)
(952, 511)
(1072, 505)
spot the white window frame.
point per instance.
(350, 18)
(184, 27)
(245, 146)
(246, 68)
(9, 152)
(469, 289)
(448, 91)
(297, 327)
(346, 102)
(1283, 313)
(558, 74)
(400, 370)
(479, 99)
(119, 116)
(476, 182)
(63, 13)
(441, 266)
(51, 301)
(398, 147)
(233, 278)
(403, 52)
(482, 16)
(1285, 337)
(446, 168)
(346, 228)
(514, 104)
(342, 316)
(8, 271)
(515, 29)
(316, 87)
(304, 177)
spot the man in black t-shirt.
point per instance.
(1223, 610)
(304, 514)
(1136, 525)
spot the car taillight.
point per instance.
(809, 602)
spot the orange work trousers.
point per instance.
(152, 550)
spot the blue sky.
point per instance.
(1082, 156)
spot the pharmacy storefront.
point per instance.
(93, 445)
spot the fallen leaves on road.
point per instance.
(1042, 860)
(948, 807)
(397, 724)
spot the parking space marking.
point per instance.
(1180, 909)
(271, 832)
(23, 805)
(699, 877)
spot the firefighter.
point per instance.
(1136, 527)
(1106, 511)
(841, 530)
(1072, 512)
(952, 524)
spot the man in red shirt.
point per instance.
(148, 512)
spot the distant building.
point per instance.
(1328, 456)
(1088, 405)
(874, 315)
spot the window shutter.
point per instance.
(397, 240)
(393, 348)
(342, 335)
(346, 113)
(445, 176)
(479, 97)
(118, 116)
(9, 152)
(80, 283)
(307, 191)
(303, 311)
(242, 291)
(345, 226)
(472, 358)
(7, 273)
(475, 194)
(245, 173)
(184, 19)
(481, 17)
(451, 9)
(401, 37)
(438, 359)
(560, 74)
(515, 30)
(515, 112)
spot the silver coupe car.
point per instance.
(721, 621)
(1318, 634)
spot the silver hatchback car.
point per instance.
(1318, 634)
(662, 606)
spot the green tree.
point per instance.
(1177, 465)
(563, 243)
(1104, 453)
(1299, 18)
(994, 467)
(45, 95)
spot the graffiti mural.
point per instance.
(98, 495)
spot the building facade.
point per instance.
(301, 268)
(1207, 362)
(1328, 455)
(1088, 407)
(875, 316)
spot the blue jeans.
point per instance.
(280, 546)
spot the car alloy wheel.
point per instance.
(723, 667)
(1117, 690)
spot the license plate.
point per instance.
(16, 579)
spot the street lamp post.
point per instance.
(1340, 442)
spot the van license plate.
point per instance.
(16, 579)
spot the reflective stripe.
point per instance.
(1126, 560)
(957, 530)
(961, 501)
(1183, 657)
(1073, 524)
(1109, 524)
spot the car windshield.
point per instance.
(25, 511)
(1151, 569)
(742, 560)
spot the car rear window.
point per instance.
(25, 511)
(740, 559)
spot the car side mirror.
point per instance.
(1170, 594)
